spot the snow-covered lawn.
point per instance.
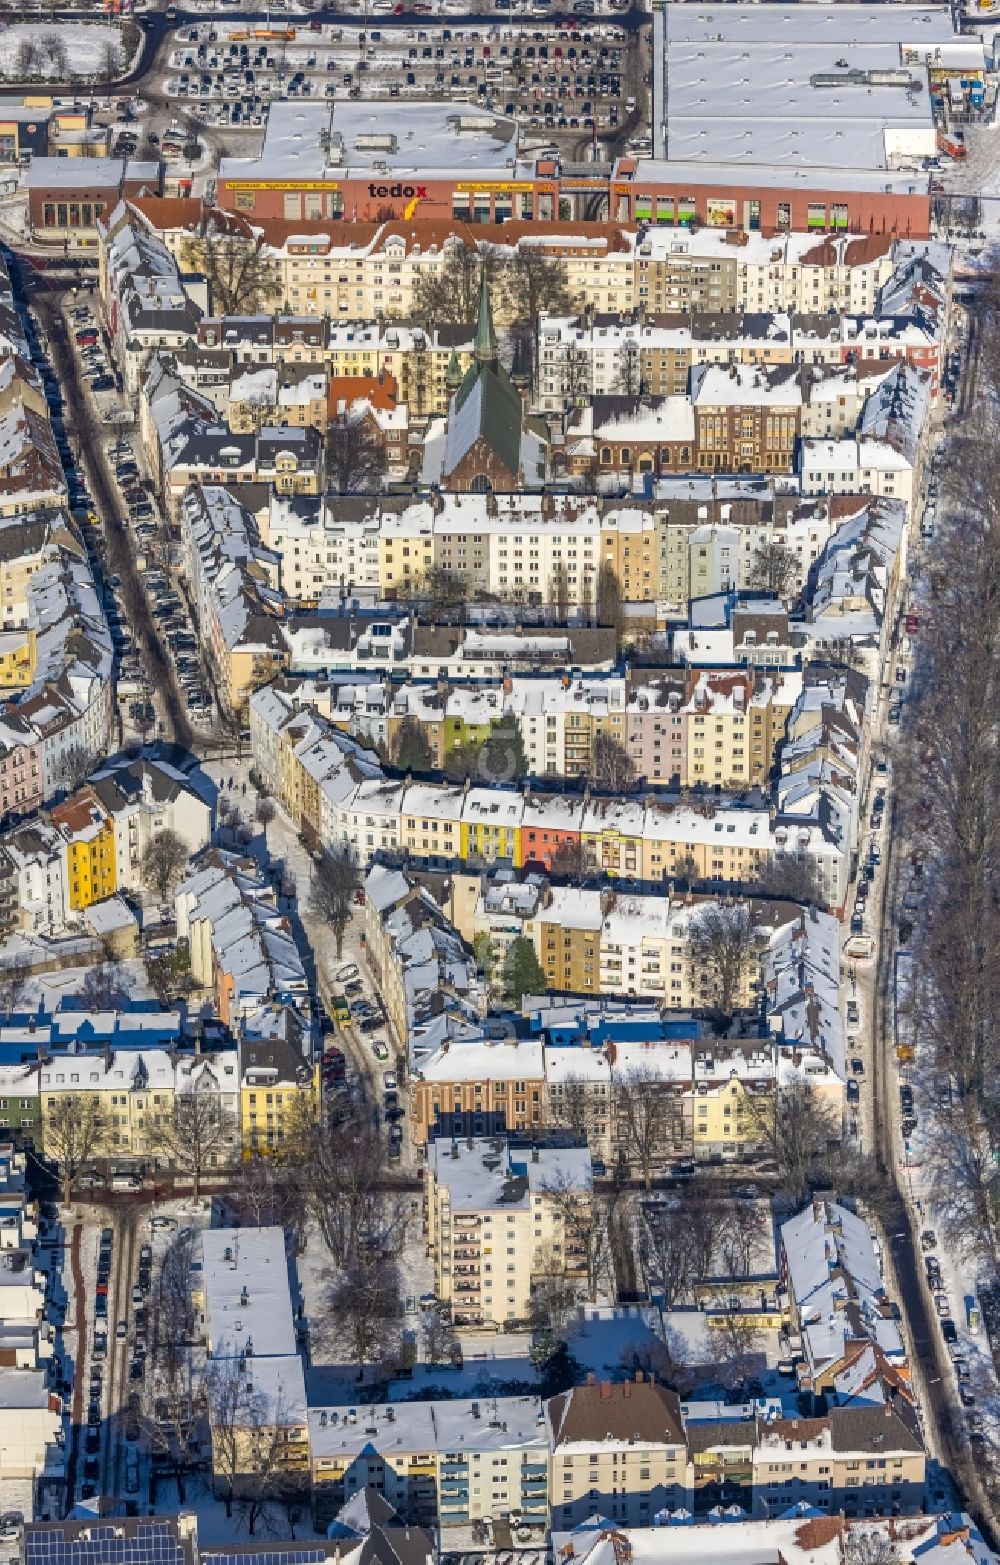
(49, 990)
(83, 52)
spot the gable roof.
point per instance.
(627, 1412)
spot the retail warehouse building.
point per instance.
(769, 118)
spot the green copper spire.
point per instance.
(486, 338)
(453, 374)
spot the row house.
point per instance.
(234, 584)
(626, 1451)
(361, 270)
(149, 307)
(647, 840)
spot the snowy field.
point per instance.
(80, 48)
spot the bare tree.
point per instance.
(947, 777)
(666, 1250)
(708, 1213)
(448, 295)
(559, 593)
(440, 1338)
(53, 49)
(70, 768)
(441, 590)
(611, 767)
(555, 1300)
(608, 598)
(568, 860)
(573, 1108)
(249, 1437)
(198, 1133)
(172, 1400)
(255, 1191)
(725, 944)
(743, 1230)
(242, 278)
(163, 864)
(365, 1310)
(738, 1340)
(628, 380)
(111, 63)
(774, 568)
(269, 1475)
(796, 1128)
(530, 284)
(355, 456)
(788, 875)
(345, 1196)
(14, 982)
(171, 1416)
(75, 1132)
(585, 1222)
(646, 1117)
(28, 59)
(331, 895)
(686, 873)
(265, 812)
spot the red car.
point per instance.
(334, 1065)
(87, 338)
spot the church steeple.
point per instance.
(486, 338)
(453, 374)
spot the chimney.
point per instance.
(591, 1380)
(639, 1377)
(605, 1391)
(627, 1388)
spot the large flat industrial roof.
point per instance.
(794, 25)
(834, 86)
(678, 171)
(316, 142)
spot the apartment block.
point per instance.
(617, 1450)
(499, 1217)
(441, 1462)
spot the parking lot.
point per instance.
(571, 75)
